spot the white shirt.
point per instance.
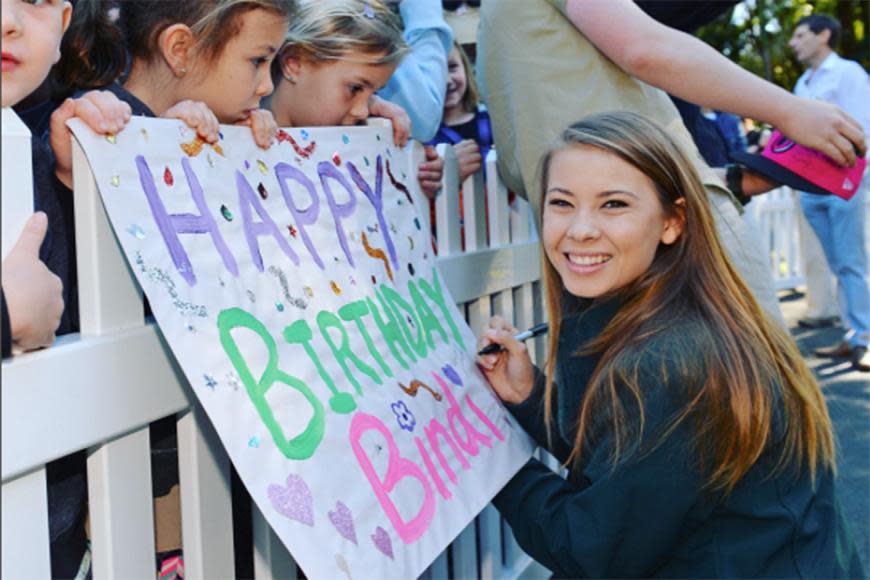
(841, 82)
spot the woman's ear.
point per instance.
(176, 45)
(675, 224)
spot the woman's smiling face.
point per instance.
(602, 221)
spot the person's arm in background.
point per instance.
(684, 66)
(420, 82)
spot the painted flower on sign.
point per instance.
(404, 416)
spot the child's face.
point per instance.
(456, 81)
(330, 93)
(603, 221)
(233, 84)
(32, 31)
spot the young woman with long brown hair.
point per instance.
(697, 441)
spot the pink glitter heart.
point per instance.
(294, 500)
(342, 519)
(382, 542)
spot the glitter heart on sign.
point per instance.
(342, 519)
(294, 500)
(382, 542)
(342, 565)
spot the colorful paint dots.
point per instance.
(116, 181)
(292, 229)
(144, 134)
(251, 296)
(167, 177)
(111, 138)
(417, 223)
(247, 164)
(374, 280)
(220, 136)
(261, 189)
(366, 160)
(135, 231)
(228, 215)
(336, 289)
(378, 137)
(254, 442)
(210, 159)
(304, 134)
(189, 327)
(336, 158)
(309, 292)
(293, 500)
(279, 306)
(210, 383)
(261, 165)
(344, 138)
(411, 242)
(410, 268)
(451, 374)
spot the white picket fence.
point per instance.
(775, 217)
(100, 389)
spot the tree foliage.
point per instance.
(755, 34)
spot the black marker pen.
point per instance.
(534, 331)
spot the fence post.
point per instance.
(17, 178)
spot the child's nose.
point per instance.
(10, 17)
(360, 110)
(266, 86)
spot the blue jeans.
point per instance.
(839, 225)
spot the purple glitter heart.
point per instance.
(452, 374)
(342, 519)
(294, 500)
(382, 542)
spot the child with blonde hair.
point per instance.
(336, 55)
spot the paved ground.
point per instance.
(848, 394)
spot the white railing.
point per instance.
(774, 214)
(99, 391)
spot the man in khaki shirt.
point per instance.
(539, 73)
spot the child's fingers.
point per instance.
(88, 112)
(115, 112)
(264, 127)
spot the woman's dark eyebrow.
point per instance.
(559, 190)
(616, 191)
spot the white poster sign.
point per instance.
(299, 293)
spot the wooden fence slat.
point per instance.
(25, 552)
(474, 211)
(497, 205)
(109, 297)
(206, 508)
(129, 374)
(271, 558)
(447, 231)
(121, 508)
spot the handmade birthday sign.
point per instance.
(297, 288)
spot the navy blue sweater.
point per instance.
(649, 515)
